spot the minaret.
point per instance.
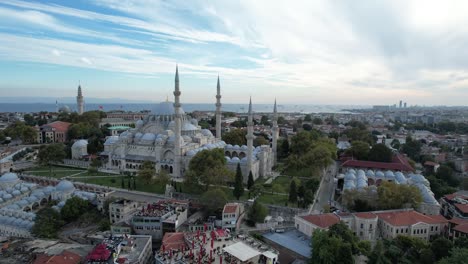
(178, 125)
(79, 101)
(218, 110)
(250, 137)
(275, 132)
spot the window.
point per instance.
(414, 232)
(397, 231)
(362, 225)
(436, 228)
(370, 226)
(432, 228)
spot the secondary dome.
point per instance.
(80, 143)
(9, 177)
(65, 186)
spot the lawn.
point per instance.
(275, 199)
(117, 183)
(57, 171)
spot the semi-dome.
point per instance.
(206, 132)
(352, 171)
(389, 175)
(244, 160)
(227, 158)
(80, 143)
(370, 173)
(235, 159)
(350, 176)
(244, 147)
(16, 193)
(148, 137)
(64, 109)
(191, 153)
(165, 108)
(111, 140)
(194, 121)
(188, 127)
(139, 123)
(138, 135)
(65, 186)
(9, 177)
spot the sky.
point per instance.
(364, 52)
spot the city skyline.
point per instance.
(324, 52)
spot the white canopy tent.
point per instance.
(241, 251)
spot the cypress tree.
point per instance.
(293, 192)
(134, 183)
(129, 186)
(250, 181)
(238, 186)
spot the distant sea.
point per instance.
(238, 108)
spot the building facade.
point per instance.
(378, 224)
(122, 210)
(232, 216)
(55, 132)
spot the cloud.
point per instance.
(56, 52)
(309, 51)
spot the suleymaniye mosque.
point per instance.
(170, 138)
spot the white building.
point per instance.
(232, 215)
(79, 149)
(122, 210)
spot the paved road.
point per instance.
(326, 189)
(138, 196)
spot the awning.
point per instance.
(241, 251)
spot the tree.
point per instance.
(250, 180)
(380, 153)
(445, 173)
(238, 185)
(73, 208)
(47, 223)
(277, 188)
(359, 150)
(53, 153)
(395, 196)
(283, 148)
(260, 140)
(213, 200)
(147, 171)
(257, 212)
(235, 137)
(307, 127)
(256, 190)
(317, 121)
(461, 242)
(378, 254)
(20, 130)
(395, 144)
(122, 182)
(292, 192)
(329, 248)
(264, 121)
(457, 256)
(412, 148)
(441, 247)
(208, 167)
(308, 118)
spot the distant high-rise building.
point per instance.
(401, 102)
(405, 105)
(80, 101)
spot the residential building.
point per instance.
(232, 216)
(133, 249)
(158, 218)
(55, 132)
(458, 228)
(455, 205)
(377, 224)
(122, 210)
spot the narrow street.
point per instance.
(325, 190)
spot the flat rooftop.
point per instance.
(292, 240)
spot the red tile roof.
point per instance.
(367, 215)
(462, 228)
(59, 126)
(462, 207)
(66, 257)
(322, 220)
(430, 163)
(173, 241)
(399, 163)
(99, 253)
(458, 221)
(230, 208)
(454, 195)
(406, 218)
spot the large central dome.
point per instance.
(164, 109)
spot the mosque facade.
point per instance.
(170, 139)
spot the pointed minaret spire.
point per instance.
(275, 134)
(178, 127)
(218, 110)
(250, 137)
